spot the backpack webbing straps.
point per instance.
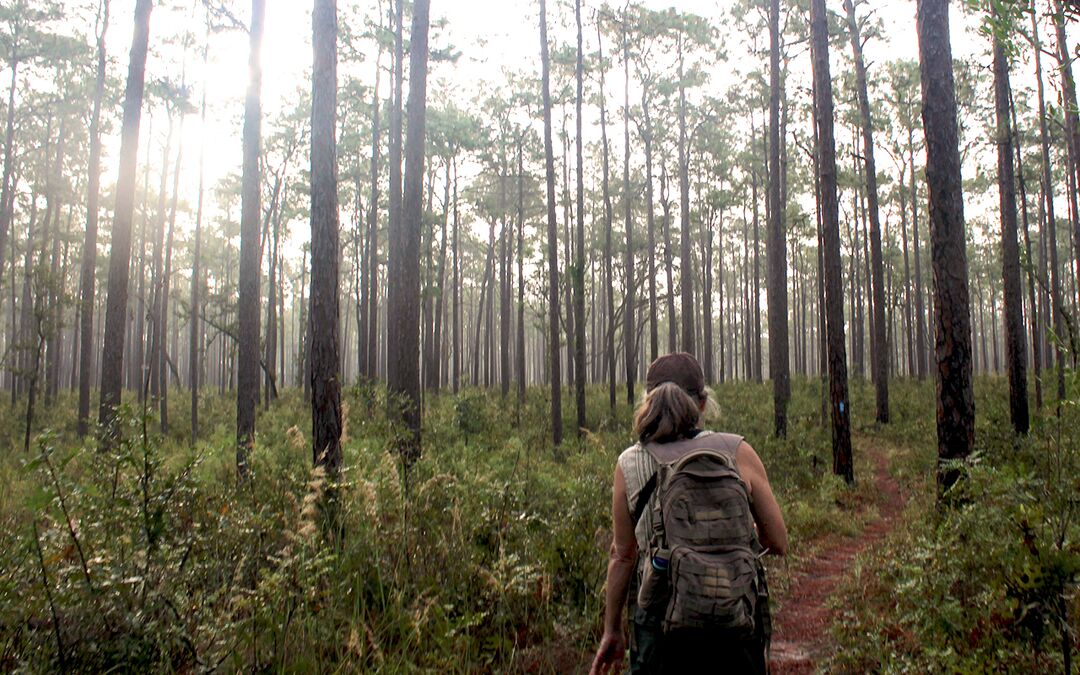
(643, 499)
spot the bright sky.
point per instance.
(490, 34)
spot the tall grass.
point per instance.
(151, 559)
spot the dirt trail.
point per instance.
(801, 627)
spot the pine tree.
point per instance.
(1016, 351)
(112, 358)
(552, 238)
(322, 322)
(247, 381)
(826, 160)
(952, 315)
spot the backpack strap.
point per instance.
(643, 498)
(726, 443)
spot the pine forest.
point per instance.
(323, 324)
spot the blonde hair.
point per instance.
(669, 412)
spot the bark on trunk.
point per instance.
(166, 289)
(247, 379)
(686, 266)
(921, 357)
(1033, 318)
(89, 253)
(579, 233)
(1015, 348)
(609, 281)
(403, 271)
(521, 274)
(776, 253)
(880, 362)
(1057, 320)
(668, 256)
(630, 309)
(552, 239)
(112, 358)
(369, 336)
(838, 389)
(322, 321)
(955, 400)
(194, 337)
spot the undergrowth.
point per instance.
(150, 557)
(986, 580)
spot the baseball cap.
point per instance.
(681, 368)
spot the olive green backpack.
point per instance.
(703, 567)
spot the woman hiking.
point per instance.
(693, 513)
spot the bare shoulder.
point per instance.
(748, 459)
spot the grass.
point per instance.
(492, 560)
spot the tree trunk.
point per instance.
(273, 298)
(609, 281)
(567, 287)
(881, 362)
(369, 306)
(579, 260)
(506, 234)
(552, 236)
(7, 193)
(921, 357)
(668, 272)
(776, 253)
(112, 359)
(154, 347)
(1033, 322)
(136, 347)
(838, 389)
(1072, 126)
(756, 297)
(456, 320)
(194, 361)
(481, 308)
(521, 273)
(908, 324)
(956, 403)
(706, 233)
(28, 329)
(166, 288)
(686, 275)
(403, 270)
(630, 310)
(1015, 349)
(89, 254)
(247, 386)
(324, 348)
(53, 323)
(650, 218)
(437, 341)
(1050, 238)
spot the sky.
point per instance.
(490, 34)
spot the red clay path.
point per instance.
(801, 627)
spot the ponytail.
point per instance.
(666, 413)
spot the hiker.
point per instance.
(721, 517)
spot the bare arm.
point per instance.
(620, 567)
(770, 522)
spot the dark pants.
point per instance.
(653, 652)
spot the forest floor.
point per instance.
(801, 636)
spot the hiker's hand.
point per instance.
(609, 654)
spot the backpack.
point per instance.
(702, 568)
